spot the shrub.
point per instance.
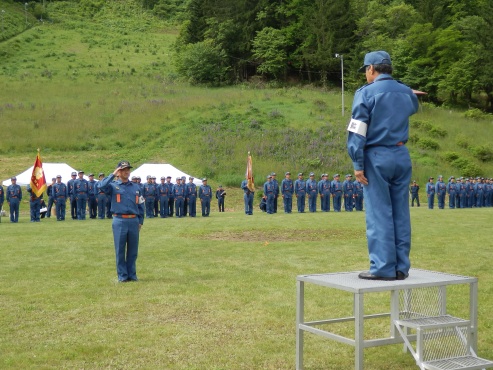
(482, 152)
(462, 141)
(421, 125)
(450, 156)
(476, 114)
(467, 167)
(427, 143)
(436, 131)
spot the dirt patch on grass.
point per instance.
(282, 235)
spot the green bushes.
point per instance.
(427, 143)
(482, 152)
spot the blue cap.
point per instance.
(375, 57)
(336, 175)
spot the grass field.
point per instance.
(214, 293)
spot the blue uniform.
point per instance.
(358, 195)
(430, 193)
(470, 194)
(300, 191)
(489, 194)
(73, 201)
(220, 194)
(102, 198)
(378, 130)
(51, 200)
(276, 193)
(336, 191)
(205, 195)
(191, 197)
(440, 190)
(461, 189)
(179, 196)
(452, 193)
(171, 199)
(163, 193)
(312, 191)
(34, 204)
(2, 197)
(324, 191)
(348, 191)
(128, 213)
(81, 191)
(414, 190)
(479, 192)
(14, 197)
(287, 190)
(60, 192)
(150, 194)
(92, 200)
(247, 197)
(269, 194)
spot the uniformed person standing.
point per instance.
(470, 193)
(287, 190)
(430, 192)
(185, 202)
(312, 192)
(205, 195)
(92, 200)
(269, 194)
(378, 132)
(462, 200)
(51, 197)
(171, 199)
(336, 191)
(14, 197)
(220, 194)
(479, 192)
(348, 191)
(2, 198)
(324, 191)
(276, 190)
(81, 191)
(156, 199)
(300, 192)
(247, 197)
(179, 196)
(452, 192)
(60, 192)
(191, 197)
(150, 194)
(101, 197)
(34, 204)
(358, 195)
(163, 193)
(128, 217)
(71, 195)
(414, 190)
(440, 190)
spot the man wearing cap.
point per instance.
(220, 194)
(358, 195)
(336, 191)
(179, 196)
(191, 197)
(71, 195)
(312, 192)
(470, 193)
(479, 192)
(414, 190)
(488, 193)
(440, 190)
(34, 204)
(101, 197)
(300, 192)
(92, 200)
(324, 191)
(163, 193)
(150, 193)
(377, 134)
(60, 193)
(128, 217)
(2, 198)
(287, 189)
(269, 194)
(185, 202)
(451, 191)
(51, 198)
(14, 197)
(171, 198)
(247, 197)
(276, 190)
(430, 192)
(461, 201)
(348, 191)
(81, 190)
(205, 195)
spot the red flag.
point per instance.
(249, 173)
(38, 180)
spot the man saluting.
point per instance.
(127, 207)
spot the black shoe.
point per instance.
(368, 276)
(400, 275)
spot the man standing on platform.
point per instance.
(205, 195)
(300, 192)
(128, 217)
(378, 132)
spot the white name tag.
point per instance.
(358, 127)
(141, 199)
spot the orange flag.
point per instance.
(38, 180)
(249, 174)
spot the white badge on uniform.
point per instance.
(358, 127)
(141, 199)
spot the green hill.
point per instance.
(94, 85)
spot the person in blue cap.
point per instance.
(479, 192)
(324, 191)
(358, 195)
(414, 190)
(300, 192)
(163, 193)
(34, 204)
(51, 197)
(179, 196)
(191, 197)
(171, 199)
(247, 197)
(127, 207)
(2, 198)
(312, 192)
(276, 190)
(452, 192)
(287, 190)
(269, 194)
(150, 194)
(101, 197)
(14, 197)
(220, 194)
(205, 196)
(348, 191)
(469, 193)
(336, 191)
(81, 192)
(461, 189)
(441, 190)
(92, 200)
(60, 193)
(71, 195)
(377, 134)
(430, 192)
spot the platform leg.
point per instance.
(358, 331)
(473, 315)
(300, 318)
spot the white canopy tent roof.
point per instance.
(51, 170)
(159, 170)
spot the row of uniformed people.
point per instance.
(463, 192)
(349, 190)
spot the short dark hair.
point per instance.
(383, 68)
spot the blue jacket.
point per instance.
(300, 187)
(14, 191)
(60, 190)
(287, 188)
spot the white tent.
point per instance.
(51, 170)
(159, 170)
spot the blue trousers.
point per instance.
(60, 208)
(431, 200)
(206, 206)
(337, 202)
(171, 205)
(14, 209)
(108, 207)
(163, 206)
(441, 200)
(288, 204)
(81, 206)
(149, 203)
(35, 206)
(179, 206)
(479, 200)
(270, 203)
(248, 198)
(192, 206)
(93, 207)
(451, 200)
(51, 200)
(325, 202)
(388, 224)
(126, 238)
(73, 207)
(312, 202)
(462, 200)
(470, 200)
(101, 205)
(348, 202)
(300, 202)
(358, 202)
